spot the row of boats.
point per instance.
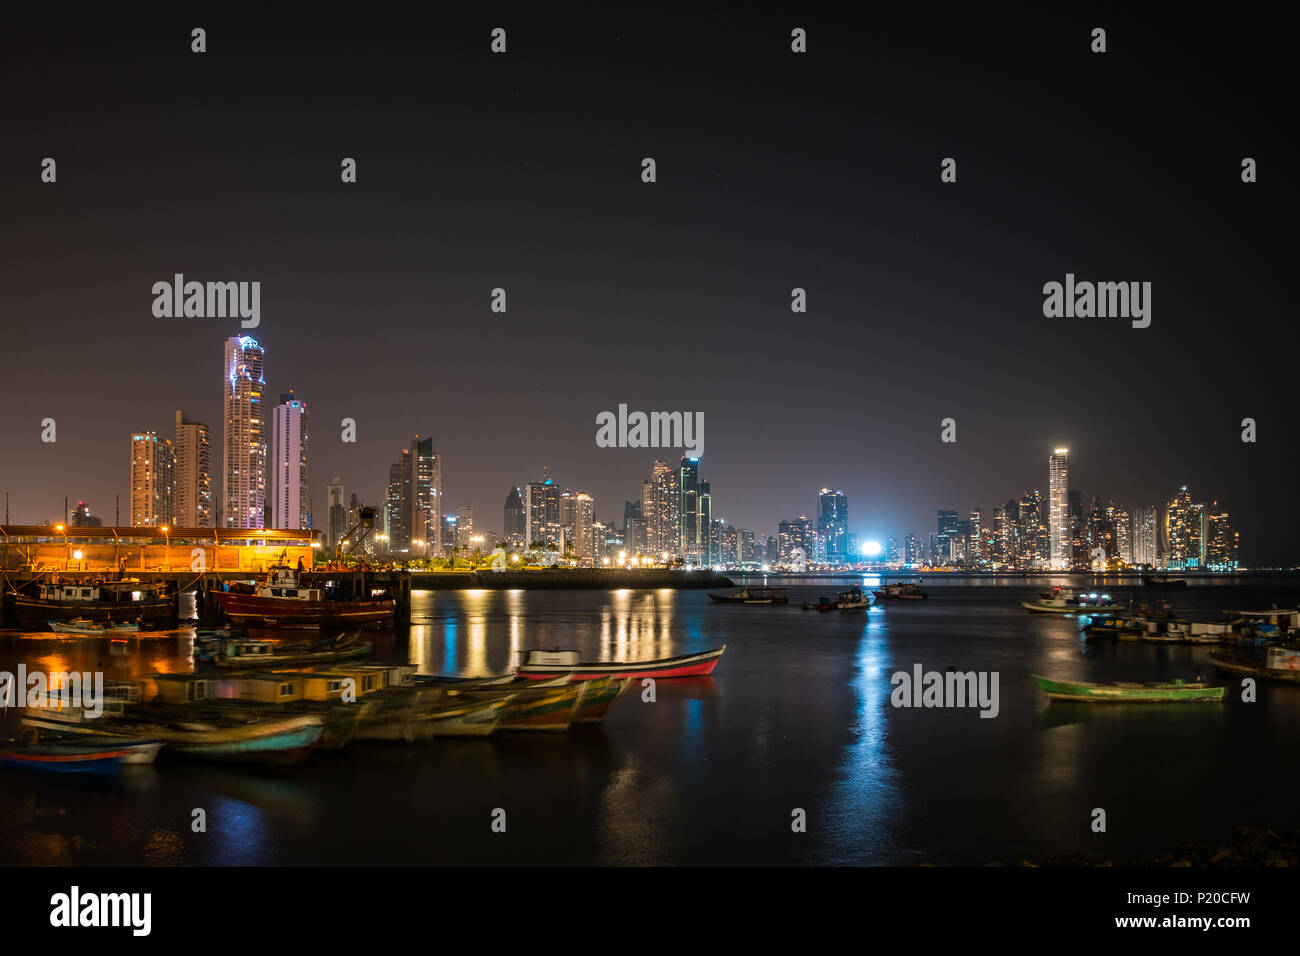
(851, 599)
(269, 715)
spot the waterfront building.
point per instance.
(796, 540)
(515, 524)
(397, 505)
(662, 521)
(892, 553)
(337, 514)
(691, 535)
(948, 528)
(152, 481)
(1183, 530)
(244, 480)
(290, 491)
(1221, 541)
(426, 505)
(1146, 536)
(193, 490)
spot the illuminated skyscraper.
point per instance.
(337, 515)
(1058, 490)
(515, 525)
(193, 494)
(426, 505)
(833, 524)
(290, 492)
(691, 533)
(1220, 540)
(397, 506)
(244, 448)
(663, 529)
(1146, 536)
(152, 478)
(1183, 532)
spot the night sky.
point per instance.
(775, 170)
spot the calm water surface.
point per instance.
(797, 715)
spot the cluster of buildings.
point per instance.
(263, 463)
(1059, 533)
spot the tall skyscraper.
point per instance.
(193, 492)
(1221, 542)
(1146, 536)
(397, 505)
(538, 495)
(515, 525)
(1058, 490)
(833, 524)
(464, 525)
(426, 504)
(291, 493)
(949, 527)
(690, 532)
(152, 481)
(663, 525)
(975, 539)
(1183, 531)
(337, 516)
(584, 517)
(244, 461)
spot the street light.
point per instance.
(167, 547)
(63, 531)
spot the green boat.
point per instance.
(1127, 692)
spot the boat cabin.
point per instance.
(112, 592)
(179, 688)
(261, 688)
(555, 658)
(282, 583)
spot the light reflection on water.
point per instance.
(797, 715)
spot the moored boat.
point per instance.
(1071, 601)
(598, 696)
(540, 665)
(94, 601)
(903, 591)
(1279, 663)
(86, 626)
(64, 756)
(284, 602)
(753, 595)
(1129, 692)
(244, 652)
(854, 599)
(1160, 581)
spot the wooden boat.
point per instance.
(903, 591)
(539, 665)
(854, 599)
(1071, 601)
(1156, 581)
(98, 602)
(755, 595)
(1279, 663)
(1127, 692)
(548, 708)
(86, 626)
(408, 718)
(598, 696)
(75, 757)
(243, 652)
(283, 602)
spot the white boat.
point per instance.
(1071, 601)
(83, 625)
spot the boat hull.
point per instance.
(1128, 694)
(544, 709)
(598, 696)
(74, 758)
(1040, 608)
(253, 610)
(690, 665)
(36, 613)
(1253, 667)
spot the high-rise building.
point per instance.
(949, 527)
(833, 524)
(152, 481)
(397, 505)
(464, 526)
(663, 527)
(796, 539)
(515, 525)
(244, 457)
(425, 491)
(691, 533)
(1146, 536)
(192, 498)
(1058, 490)
(912, 549)
(82, 518)
(1033, 540)
(1183, 531)
(892, 553)
(290, 491)
(1221, 542)
(536, 501)
(584, 517)
(975, 538)
(337, 515)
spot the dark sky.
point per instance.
(775, 170)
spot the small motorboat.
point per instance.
(60, 756)
(86, 626)
(1129, 693)
(1158, 581)
(1072, 601)
(542, 665)
(753, 595)
(854, 599)
(1279, 663)
(908, 591)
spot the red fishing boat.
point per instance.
(283, 602)
(541, 665)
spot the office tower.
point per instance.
(745, 550)
(1221, 541)
(451, 539)
(663, 524)
(425, 504)
(244, 444)
(912, 549)
(1058, 491)
(583, 508)
(948, 528)
(515, 525)
(290, 491)
(833, 524)
(397, 505)
(975, 538)
(535, 513)
(152, 481)
(691, 534)
(82, 518)
(796, 538)
(709, 543)
(192, 498)
(1034, 538)
(464, 525)
(1146, 536)
(1121, 526)
(336, 515)
(634, 527)
(1182, 531)
(893, 555)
